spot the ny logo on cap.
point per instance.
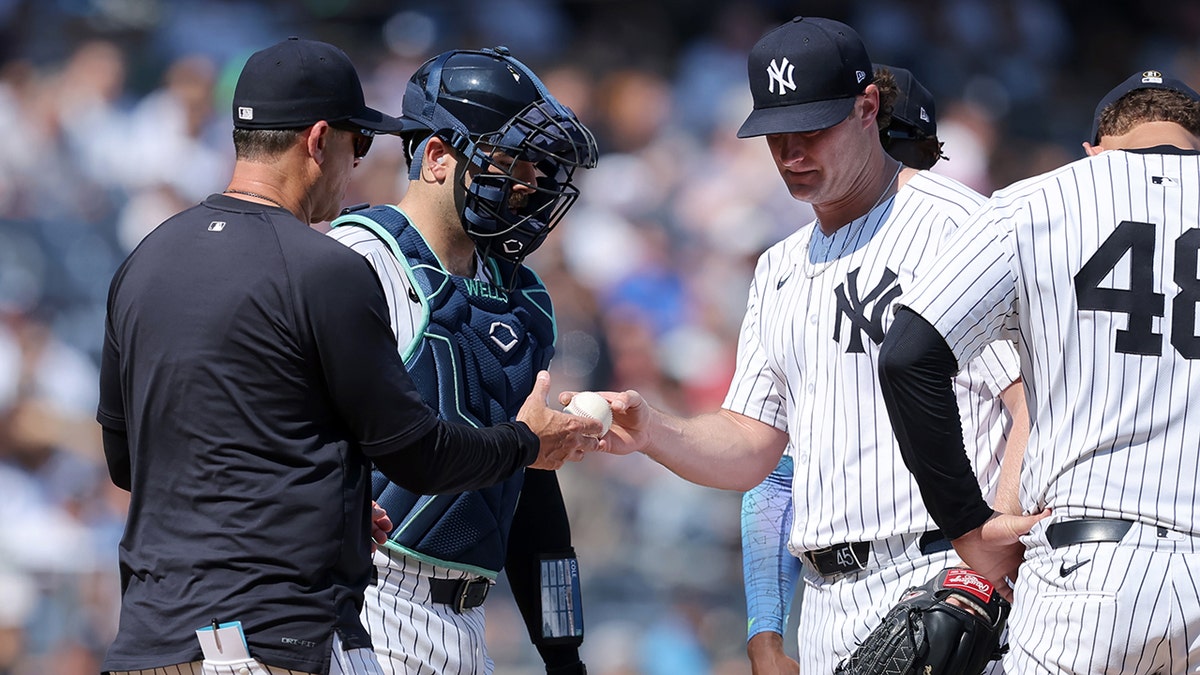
(1152, 76)
(245, 113)
(776, 74)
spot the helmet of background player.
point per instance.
(486, 103)
(911, 131)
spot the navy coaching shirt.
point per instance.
(248, 501)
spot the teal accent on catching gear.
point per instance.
(474, 358)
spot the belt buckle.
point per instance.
(464, 595)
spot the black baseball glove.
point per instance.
(925, 634)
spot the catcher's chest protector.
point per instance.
(475, 362)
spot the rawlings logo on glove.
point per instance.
(950, 625)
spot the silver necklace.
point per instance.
(813, 270)
(255, 194)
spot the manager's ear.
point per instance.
(316, 139)
(1092, 150)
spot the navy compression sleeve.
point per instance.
(916, 371)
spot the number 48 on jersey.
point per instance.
(1140, 302)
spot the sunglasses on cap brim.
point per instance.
(362, 137)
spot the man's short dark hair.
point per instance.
(1141, 106)
(263, 144)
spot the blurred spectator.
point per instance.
(969, 136)
(177, 151)
(92, 107)
(54, 517)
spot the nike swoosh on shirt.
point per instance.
(783, 280)
(1063, 570)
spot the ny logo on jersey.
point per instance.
(854, 308)
(776, 74)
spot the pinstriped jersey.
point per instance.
(406, 314)
(807, 359)
(1092, 268)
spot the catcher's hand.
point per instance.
(951, 625)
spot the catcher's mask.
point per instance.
(493, 110)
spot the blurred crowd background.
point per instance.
(114, 114)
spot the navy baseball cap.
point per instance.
(296, 83)
(914, 104)
(1146, 79)
(804, 76)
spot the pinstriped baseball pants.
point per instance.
(415, 636)
(1129, 607)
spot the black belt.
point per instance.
(460, 594)
(1070, 532)
(852, 556)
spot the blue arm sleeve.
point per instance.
(770, 572)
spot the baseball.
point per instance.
(591, 404)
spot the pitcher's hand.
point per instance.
(629, 432)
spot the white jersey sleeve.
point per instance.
(755, 388)
(971, 295)
(397, 287)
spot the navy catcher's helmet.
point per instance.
(483, 103)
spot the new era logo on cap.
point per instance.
(804, 76)
(914, 105)
(1146, 79)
